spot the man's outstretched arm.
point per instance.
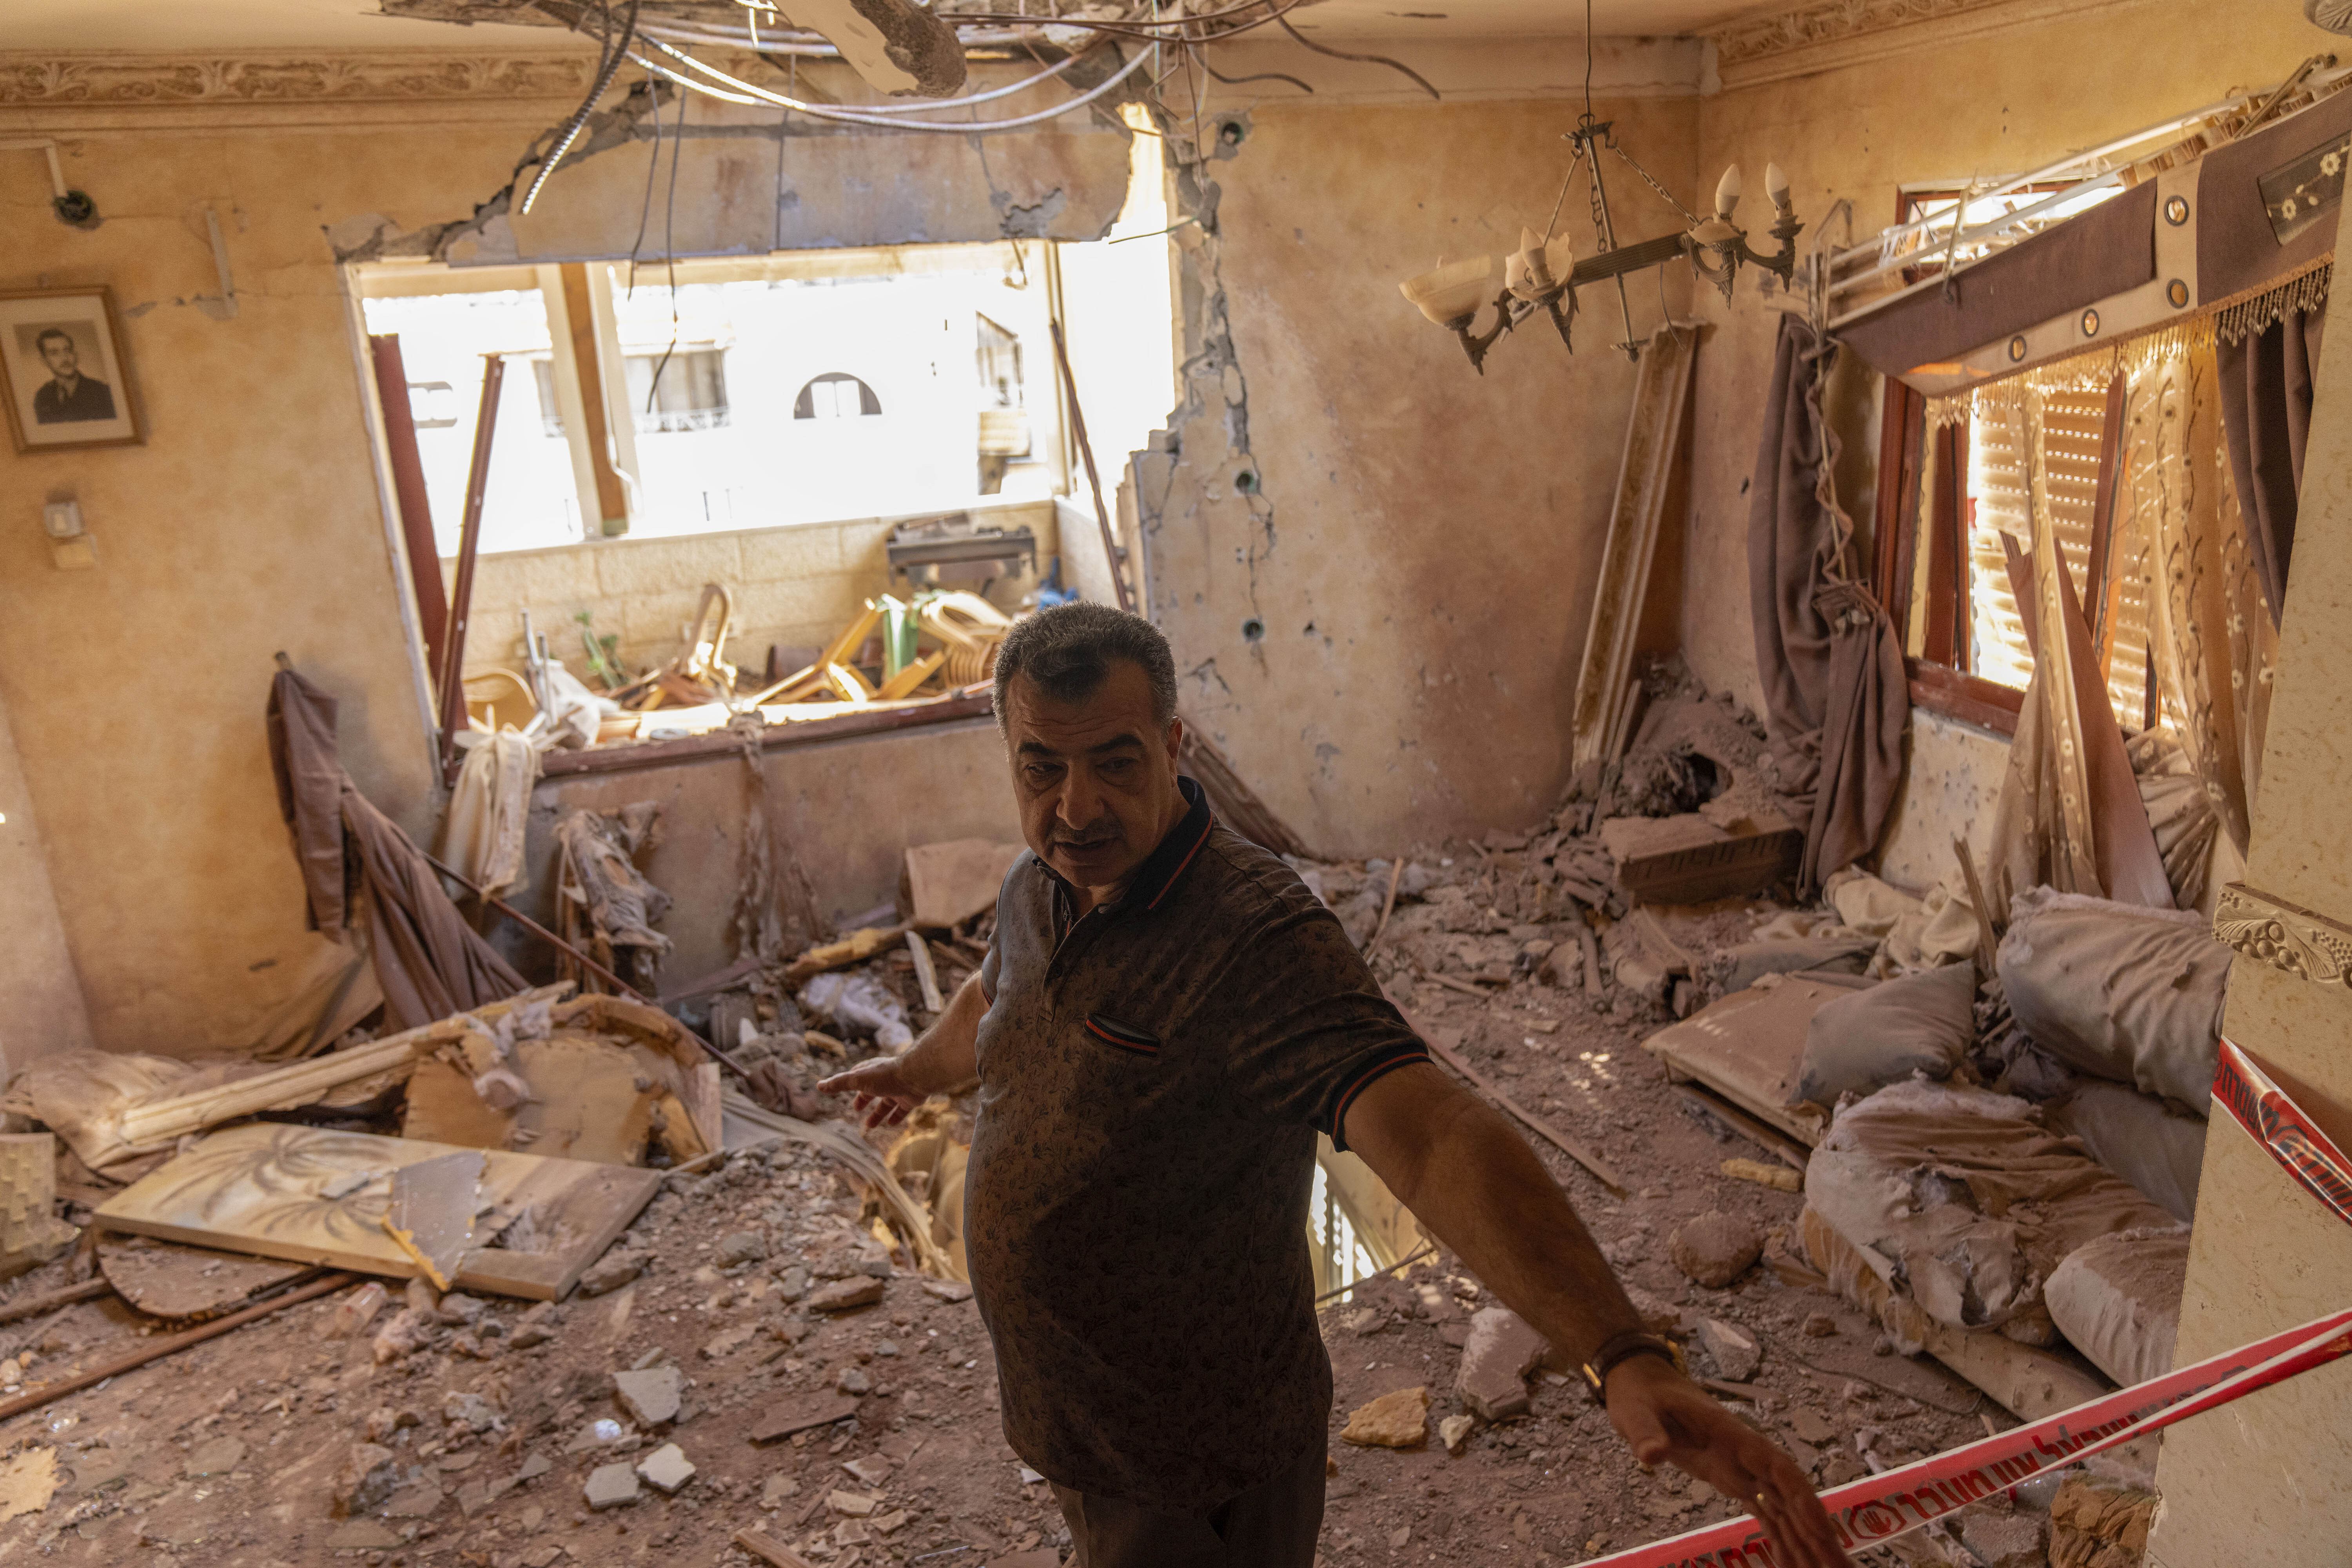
(1470, 1179)
(943, 1061)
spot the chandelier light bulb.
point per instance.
(1776, 185)
(1727, 192)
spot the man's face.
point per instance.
(59, 354)
(1095, 779)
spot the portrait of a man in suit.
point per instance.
(69, 395)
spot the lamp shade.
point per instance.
(1451, 290)
(1538, 268)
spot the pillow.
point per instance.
(1920, 1023)
(2118, 991)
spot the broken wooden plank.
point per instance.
(1765, 1136)
(1687, 859)
(926, 977)
(1602, 708)
(803, 1413)
(309, 1196)
(167, 1279)
(164, 1121)
(1550, 1134)
(856, 948)
(768, 1549)
(49, 1301)
(943, 885)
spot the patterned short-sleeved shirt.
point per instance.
(1151, 1078)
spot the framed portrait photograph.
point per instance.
(67, 381)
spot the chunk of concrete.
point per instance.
(1733, 1349)
(2003, 1540)
(665, 1469)
(1397, 1420)
(1496, 1359)
(368, 1477)
(1716, 1249)
(611, 1272)
(843, 1294)
(742, 1247)
(651, 1396)
(217, 1457)
(612, 1486)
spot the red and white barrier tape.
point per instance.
(1898, 1500)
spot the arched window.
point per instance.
(836, 396)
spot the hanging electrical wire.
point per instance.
(614, 49)
(741, 91)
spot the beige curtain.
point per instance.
(2213, 637)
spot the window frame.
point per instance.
(1939, 675)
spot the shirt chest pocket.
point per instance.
(1108, 1033)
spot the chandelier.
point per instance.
(1543, 275)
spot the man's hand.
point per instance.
(945, 1060)
(1665, 1418)
(880, 1089)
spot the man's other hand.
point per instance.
(879, 1088)
(1665, 1418)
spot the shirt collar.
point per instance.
(1168, 860)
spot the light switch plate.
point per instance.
(62, 519)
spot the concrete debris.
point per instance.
(369, 1475)
(611, 1272)
(651, 1396)
(1717, 1248)
(665, 1469)
(216, 1457)
(612, 1486)
(742, 1247)
(1732, 1348)
(853, 1505)
(1455, 1430)
(1499, 1352)
(844, 1295)
(2003, 1540)
(1397, 1420)
(853, 1380)
(871, 1471)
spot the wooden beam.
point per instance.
(409, 493)
(1895, 546)
(579, 316)
(469, 547)
(799, 732)
(1956, 694)
(1537, 1124)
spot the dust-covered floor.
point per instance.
(485, 1435)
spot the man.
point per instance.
(69, 395)
(1165, 1018)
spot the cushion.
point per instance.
(1920, 1023)
(2118, 991)
(2156, 1148)
(1962, 1200)
(2118, 1300)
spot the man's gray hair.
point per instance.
(1067, 650)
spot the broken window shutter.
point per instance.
(1998, 504)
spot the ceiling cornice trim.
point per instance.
(1837, 35)
(138, 82)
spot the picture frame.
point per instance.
(65, 371)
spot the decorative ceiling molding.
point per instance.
(1836, 34)
(132, 81)
(2270, 929)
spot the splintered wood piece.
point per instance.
(166, 1279)
(310, 1195)
(926, 975)
(802, 1414)
(432, 1213)
(768, 1549)
(586, 1103)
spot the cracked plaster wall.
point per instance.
(250, 521)
(1375, 565)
